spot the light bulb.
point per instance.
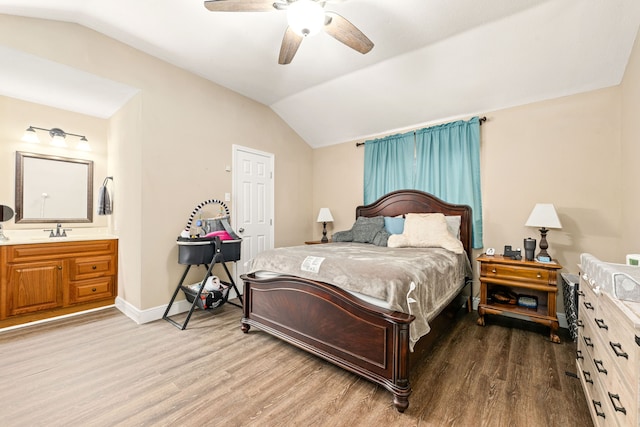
(83, 144)
(305, 17)
(30, 135)
(58, 141)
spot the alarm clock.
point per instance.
(491, 252)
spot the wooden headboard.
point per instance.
(413, 201)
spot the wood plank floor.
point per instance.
(101, 369)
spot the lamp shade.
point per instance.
(544, 215)
(325, 215)
(31, 136)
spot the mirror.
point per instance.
(53, 189)
(6, 213)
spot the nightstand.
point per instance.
(531, 278)
(316, 242)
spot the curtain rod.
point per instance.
(481, 120)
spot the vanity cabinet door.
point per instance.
(34, 286)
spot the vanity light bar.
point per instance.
(58, 137)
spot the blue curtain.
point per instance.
(448, 166)
(442, 160)
(389, 165)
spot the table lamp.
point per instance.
(544, 216)
(324, 216)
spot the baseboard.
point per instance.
(150, 314)
(562, 317)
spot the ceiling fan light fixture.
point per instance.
(305, 17)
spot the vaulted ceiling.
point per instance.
(433, 60)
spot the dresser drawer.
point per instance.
(517, 273)
(619, 339)
(587, 299)
(89, 267)
(89, 290)
(599, 408)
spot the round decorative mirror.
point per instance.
(6, 213)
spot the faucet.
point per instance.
(58, 231)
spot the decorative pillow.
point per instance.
(394, 225)
(342, 236)
(426, 231)
(453, 223)
(365, 229)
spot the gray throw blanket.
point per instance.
(417, 281)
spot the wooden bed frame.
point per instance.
(333, 324)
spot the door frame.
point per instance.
(235, 148)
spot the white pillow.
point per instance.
(426, 231)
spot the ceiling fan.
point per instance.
(305, 18)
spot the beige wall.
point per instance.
(630, 184)
(168, 148)
(564, 151)
(16, 116)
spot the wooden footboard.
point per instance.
(330, 323)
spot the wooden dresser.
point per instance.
(44, 280)
(608, 356)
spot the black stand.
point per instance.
(217, 258)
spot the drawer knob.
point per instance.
(588, 306)
(601, 324)
(615, 401)
(587, 377)
(579, 355)
(94, 267)
(617, 349)
(494, 271)
(580, 293)
(598, 406)
(93, 289)
(587, 341)
(539, 276)
(599, 366)
(580, 323)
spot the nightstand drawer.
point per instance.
(513, 272)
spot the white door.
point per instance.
(253, 193)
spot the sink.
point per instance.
(20, 237)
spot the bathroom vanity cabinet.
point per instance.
(42, 280)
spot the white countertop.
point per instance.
(23, 237)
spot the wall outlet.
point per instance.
(227, 197)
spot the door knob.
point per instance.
(241, 230)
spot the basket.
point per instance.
(207, 299)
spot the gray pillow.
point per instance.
(381, 237)
(365, 229)
(343, 236)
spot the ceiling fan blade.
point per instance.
(344, 31)
(239, 5)
(290, 44)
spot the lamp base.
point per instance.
(324, 233)
(543, 255)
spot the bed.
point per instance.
(344, 329)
